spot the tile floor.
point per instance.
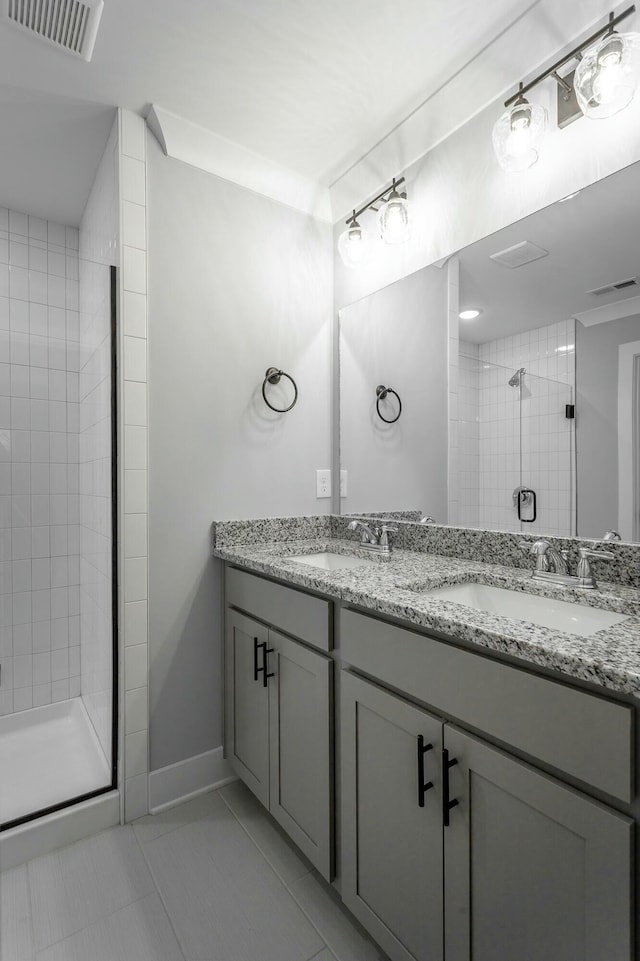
(210, 880)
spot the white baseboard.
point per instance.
(182, 781)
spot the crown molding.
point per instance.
(192, 144)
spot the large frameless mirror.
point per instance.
(517, 363)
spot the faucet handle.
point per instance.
(596, 555)
(587, 552)
(584, 567)
(385, 530)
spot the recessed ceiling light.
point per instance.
(470, 314)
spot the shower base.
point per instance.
(48, 755)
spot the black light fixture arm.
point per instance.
(573, 55)
(396, 183)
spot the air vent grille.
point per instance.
(611, 288)
(69, 24)
(520, 254)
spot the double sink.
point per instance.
(560, 615)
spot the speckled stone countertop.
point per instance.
(610, 657)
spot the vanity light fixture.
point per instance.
(354, 243)
(608, 74)
(469, 314)
(517, 134)
(393, 217)
(604, 81)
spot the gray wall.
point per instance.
(396, 337)
(237, 283)
(597, 421)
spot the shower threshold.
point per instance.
(48, 755)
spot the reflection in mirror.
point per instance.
(543, 390)
(397, 338)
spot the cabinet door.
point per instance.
(301, 741)
(391, 846)
(247, 703)
(534, 870)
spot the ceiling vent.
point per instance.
(632, 282)
(519, 255)
(70, 25)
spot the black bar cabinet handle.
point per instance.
(266, 674)
(422, 787)
(256, 646)
(446, 803)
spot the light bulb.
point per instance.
(608, 75)
(393, 219)
(354, 245)
(517, 134)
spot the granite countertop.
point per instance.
(610, 657)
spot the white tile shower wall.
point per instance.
(547, 438)
(133, 463)
(39, 504)
(98, 250)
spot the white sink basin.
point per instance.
(332, 562)
(545, 611)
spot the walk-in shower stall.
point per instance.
(57, 506)
(517, 449)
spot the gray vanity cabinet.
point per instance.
(391, 845)
(278, 730)
(533, 870)
(526, 868)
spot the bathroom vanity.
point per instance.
(467, 783)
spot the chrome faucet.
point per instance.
(374, 538)
(546, 555)
(368, 536)
(552, 565)
(584, 572)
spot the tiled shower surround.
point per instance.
(509, 437)
(39, 500)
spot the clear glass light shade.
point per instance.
(393, 220)
(354, 245)
(517, 135)
(608, 75)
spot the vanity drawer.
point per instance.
(292, 611)
(586, 736)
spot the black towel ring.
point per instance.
(381, 394)
(273, 376)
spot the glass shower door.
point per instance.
(547, 446)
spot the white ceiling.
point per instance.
(310, 85)
(592, 239)
(50, 149)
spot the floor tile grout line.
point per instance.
(175, 807)
(73, 934)
(333, 950)
(159, 893)
(59, 851)
(267, 861)
(264, 855)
